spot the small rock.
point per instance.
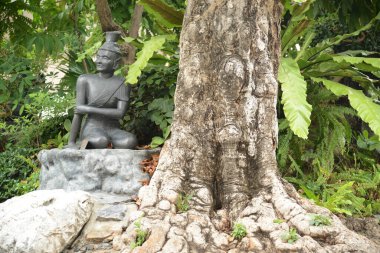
(199, 218)
(179, 220)
(266, 224)
(254, 244)
(112, 213)
(250, 225)
(169, 195)
(194, 231)
(164, 205)
(117, 243)
(135, 215)
(148, 196)
(174, 245)
(173, 208)
(103, 232)
(220, 239)
(156, 239)
(176, 231)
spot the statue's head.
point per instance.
(109, 54)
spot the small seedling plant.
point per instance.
(291, 236)
(320, 220)
(141, 235)
(278, 221)
(239, 231)
(183, 204)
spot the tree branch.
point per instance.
(134, 32)
(105, 17)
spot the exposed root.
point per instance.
(197, 231)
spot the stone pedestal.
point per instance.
(106, 170)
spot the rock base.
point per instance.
(107, 170)
(43, 221)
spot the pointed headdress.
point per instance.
(110, 44)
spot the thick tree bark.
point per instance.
(222, 147)
(225, 127)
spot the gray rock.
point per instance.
(112, 213)
(43, 221)
(108, 170)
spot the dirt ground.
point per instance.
(369, 227)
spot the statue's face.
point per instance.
(105, 61)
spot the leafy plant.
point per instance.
(182, 203)
(317, 62)
(163, 13)
(291, 236)
(278, 221)
(18, 172)
(297, 110)
(239, 231)
(320, 220)
(141, 235)
(152, 45)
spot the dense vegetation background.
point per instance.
(328, 110)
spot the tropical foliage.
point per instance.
(329, 98)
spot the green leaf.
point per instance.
(67, 125)
(367, 110)
(278, 221)
(157, 141)
(297, 110)
(164, 13)
(374, 62)
(143, 56)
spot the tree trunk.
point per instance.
(223, 141)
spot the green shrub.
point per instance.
(18, 172)
(141, 235)
(183, 204)
(291, 236)
(239, 231)
(320, 220)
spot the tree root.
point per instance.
(267, 218)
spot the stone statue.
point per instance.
(103, 97)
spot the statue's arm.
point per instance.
(116, 113)
(80, 101)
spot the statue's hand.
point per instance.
(71, 146)
(82, 109)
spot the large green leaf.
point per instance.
(143, 56)
(367, 110)
(297, 110)
(164, 13)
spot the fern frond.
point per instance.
(283, 148)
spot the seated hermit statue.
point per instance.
(103, 97)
